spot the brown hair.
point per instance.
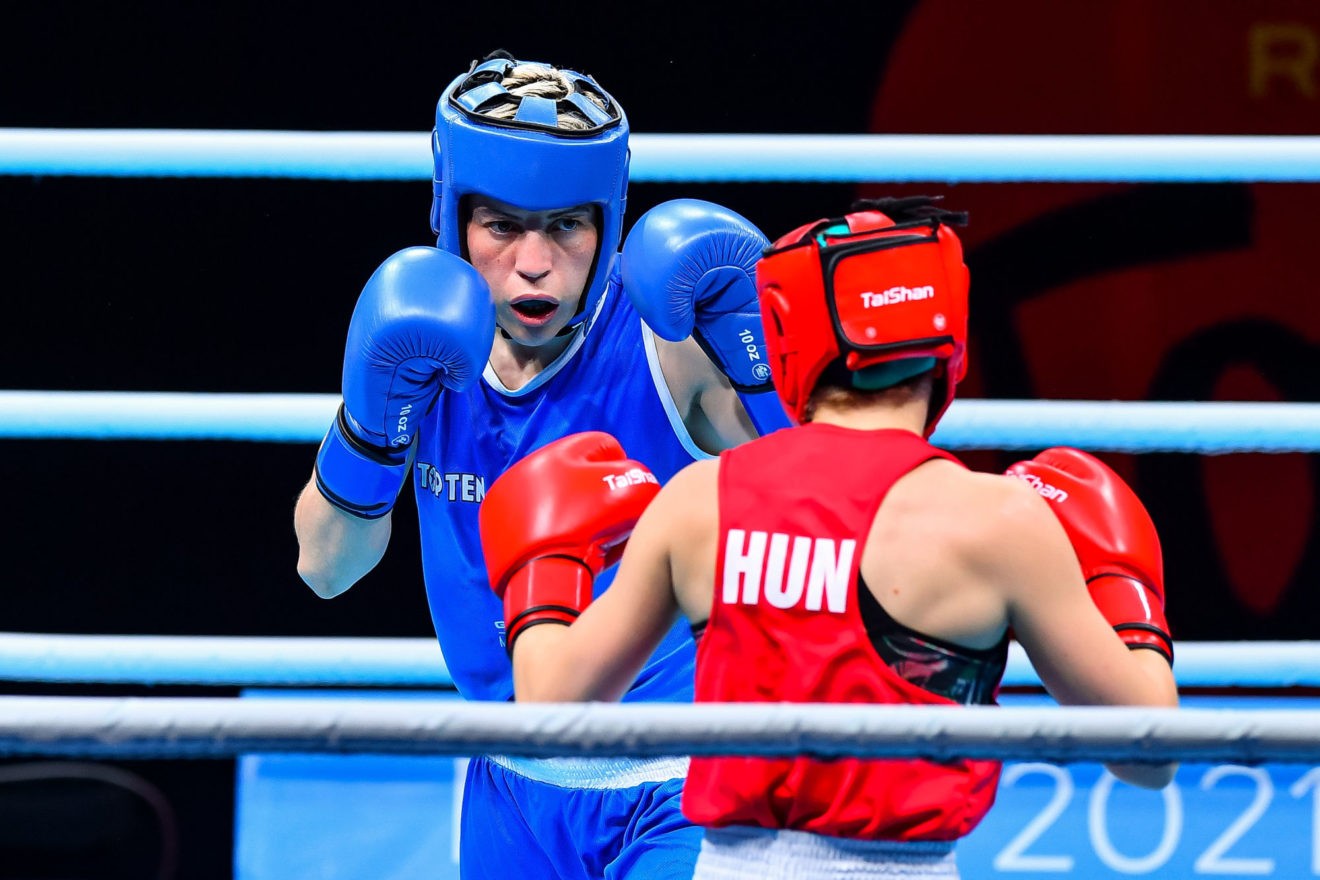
(542, 81)
(835, 390)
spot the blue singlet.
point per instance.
(577, 818)
(607, 380)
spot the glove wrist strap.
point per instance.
(1134, 609)
(765, 409)
(549, 589)
(357, 477)
(735, 342)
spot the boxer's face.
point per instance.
(536, 262)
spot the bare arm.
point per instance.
(710, 408)
(1079, 657)
(335, 550)
(600, 655)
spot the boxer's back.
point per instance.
(928, 557)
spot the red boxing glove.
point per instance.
(554, 520)
(1114, 539)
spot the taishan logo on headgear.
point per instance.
(899, 294)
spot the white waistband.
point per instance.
(594, 773)
(746, 853)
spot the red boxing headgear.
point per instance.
(869, 290)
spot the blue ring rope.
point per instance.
(664, 158)
(361, 662)
(1098, 426)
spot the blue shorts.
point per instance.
(575, 819)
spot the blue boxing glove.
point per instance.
(424, 321)
(689, 268)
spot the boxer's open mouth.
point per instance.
(535, 310)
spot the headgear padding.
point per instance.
(529, 161)
(870, 291)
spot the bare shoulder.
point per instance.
(686, 505)
(692, 492)
(977, 511)
(706, 401)
(1014, 503)
(684, 512)
(1018, 543)
(683, 521)
(1017, 517)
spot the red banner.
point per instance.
(1137, 291)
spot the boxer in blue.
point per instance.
(528, 322)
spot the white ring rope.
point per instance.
(364, 662)
(793, 158)
(164, 727)
(1098, 426)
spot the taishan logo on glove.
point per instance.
(1044, 489)
(452, 487)
(630, 477)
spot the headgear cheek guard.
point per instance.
(529, 161)
(870, 291)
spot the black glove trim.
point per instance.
(370, 451)
(517, 630)
(1165, 652)
(374, 511)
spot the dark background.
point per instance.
(1103, 291)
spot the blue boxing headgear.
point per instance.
(528, 161)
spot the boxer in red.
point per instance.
(844, 559)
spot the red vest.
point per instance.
(795, 510)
